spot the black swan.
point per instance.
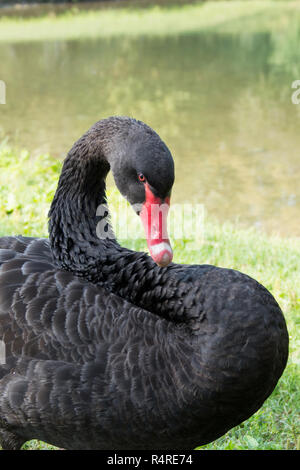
(106, 348)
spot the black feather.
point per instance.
(104, 349)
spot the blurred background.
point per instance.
(214, 79)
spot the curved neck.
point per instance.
(74, 217)
(74, 214)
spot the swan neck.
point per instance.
(74, 215)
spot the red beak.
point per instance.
(154, 215)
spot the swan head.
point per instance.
(143, 169)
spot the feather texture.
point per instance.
(105, 350)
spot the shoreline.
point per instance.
(155, 20)
(40, 9)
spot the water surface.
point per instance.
(221, 102)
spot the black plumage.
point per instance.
(107, 350)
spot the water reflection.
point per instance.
(221, 102)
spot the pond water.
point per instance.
(221, 102)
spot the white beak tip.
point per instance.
(161, 253)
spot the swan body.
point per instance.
(107, 348)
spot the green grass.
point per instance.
(238, 16)
(26, 190)
(27, 186)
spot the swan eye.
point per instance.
(142, 178)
